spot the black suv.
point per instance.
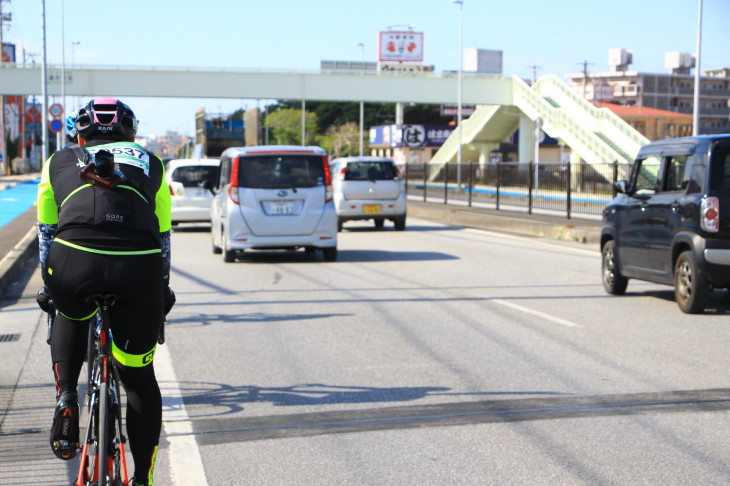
(670, 224)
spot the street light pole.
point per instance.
(44, 113)
(460, 3)
(362, 104)
(696, 101)
(73, 64)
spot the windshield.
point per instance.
(280, 171)
(194, 175)
(369, 171)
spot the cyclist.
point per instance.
(115, 240)
(72, 136)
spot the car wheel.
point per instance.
(690, 287)
(400, 222)
(339, 224)
(379, 223)
(330, 254)
(228, 255)
(216, 249)
(613, 281)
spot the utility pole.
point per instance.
(585, 76)
(3, 17)
(534, 69)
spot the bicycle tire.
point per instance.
(103, 426)
(91, 351)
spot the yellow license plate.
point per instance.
(371, 208)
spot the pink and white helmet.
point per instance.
(106, 118)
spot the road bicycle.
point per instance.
(103, 460)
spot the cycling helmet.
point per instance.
(106, 118)
(71, 124)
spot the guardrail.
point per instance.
(570, 188)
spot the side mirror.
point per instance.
(620, 187)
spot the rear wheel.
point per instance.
(103, 424)
(400, 222)
(228, 254)
(379, 222)
(690, 286)
(330, 254)
(339, 224)
(216, 249)
(613, 281)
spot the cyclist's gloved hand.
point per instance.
(44, 300)
(169, 299)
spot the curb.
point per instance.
(586, 233)
(13, 263)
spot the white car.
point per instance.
(274, 197)
(368, 188)
(191, 182)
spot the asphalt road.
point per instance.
(438, 355)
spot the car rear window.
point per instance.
(194, 175)
(281, 171)
(369, 171)
(720, 168)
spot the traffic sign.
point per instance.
(56, 110)
(56, 125)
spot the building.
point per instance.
(673, 91)
(653, 123)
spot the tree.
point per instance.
(287, 126)
(342, 140)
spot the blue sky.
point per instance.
(297, 34)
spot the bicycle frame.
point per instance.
(103, 457)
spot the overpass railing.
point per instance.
(560, 187)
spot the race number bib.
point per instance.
(126, 153)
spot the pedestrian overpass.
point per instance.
(504, 104)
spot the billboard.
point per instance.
(410, 135)
(400, 46)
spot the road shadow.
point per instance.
(718, 303)
(343, 256)
(191, 228)
(215, 428)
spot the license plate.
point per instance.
(281, 207)
(371, 208)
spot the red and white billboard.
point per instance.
(400, 46)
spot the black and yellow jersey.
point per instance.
(128, 218)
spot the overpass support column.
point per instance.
(526, 143)
(484, 150)
(575, 170)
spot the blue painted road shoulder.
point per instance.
(15, 200)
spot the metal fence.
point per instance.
(569, 188)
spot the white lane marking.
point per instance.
(186, 465)
(542, 315)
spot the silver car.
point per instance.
(191, 182)
(368, 188)
(274, 197)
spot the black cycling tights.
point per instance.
(74, 275)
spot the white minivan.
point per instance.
(368, 187)
(274, 197)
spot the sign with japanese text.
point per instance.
(400, 46)
(410, 135)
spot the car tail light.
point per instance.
(172, 193)
(710, 214)
(233, 187)
(327, 180)
(342, 173)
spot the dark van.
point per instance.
(670, 223)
